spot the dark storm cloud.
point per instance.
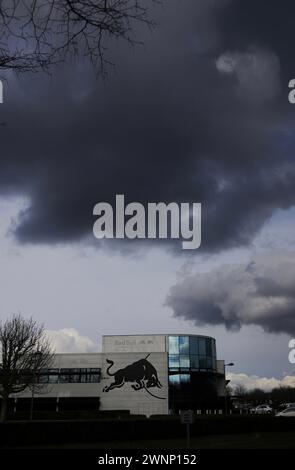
(264, 23)
(261, 293)
(198, 114)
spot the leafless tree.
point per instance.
(228, 390)
(240, 391)
(35, 34)
(25, 351)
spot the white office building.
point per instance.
(140, 374)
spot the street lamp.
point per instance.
(230, 364)
(36, 357)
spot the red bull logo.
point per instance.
(142, 374)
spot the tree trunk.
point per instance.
(4, 403)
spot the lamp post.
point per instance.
(230, 364)
(36, 356)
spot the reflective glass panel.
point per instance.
(173, 360)
(184, 361)
(202, 346)
(173, 345)
(208, 347)
(43, 379)
(183, 345)
(194, 362)
(84, 378)
(76, 378)
(209, 363)
(194, 348)
(95, 378)
(185, 378)
(174, 380)
(203, 362)
(53, 379)
(213, 354)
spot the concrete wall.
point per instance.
(71, 389)
(134, 343)
(220, 366)
(221, 384)
(117, 391)
(118, 398)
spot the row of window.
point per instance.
(191, 362)
(192, 345)
(74, 375)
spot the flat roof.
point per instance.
(163, 334)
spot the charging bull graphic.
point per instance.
(142, 373)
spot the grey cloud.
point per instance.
(257, 72)
(166, 126)
(261, 293)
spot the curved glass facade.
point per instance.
(191, 354)
(193, 374)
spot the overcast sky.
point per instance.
(200, 113)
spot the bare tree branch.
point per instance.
(25, 352)
(36, 34)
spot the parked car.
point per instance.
(262, 409)
(283, 406)
(242, 406)
(287, 412)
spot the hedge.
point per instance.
(30, 433)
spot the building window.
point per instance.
(183, 345)
(53, 378)
(174, 380)
(209, 363)
(208, 347)
(72, 375)
(184, 362)
(191, 353)
(213, 349)
(194, 362)
(194, 345)
(202, 346)
(48, 376)
(173, 345)
(173, 361)
(202, 362)
(185, 378)
(178, 380)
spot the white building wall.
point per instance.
(221, 384)
(220, 366)
(133, 343)
(118, 391)
(68, 361)
(119, 398)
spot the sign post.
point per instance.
(187, 418)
